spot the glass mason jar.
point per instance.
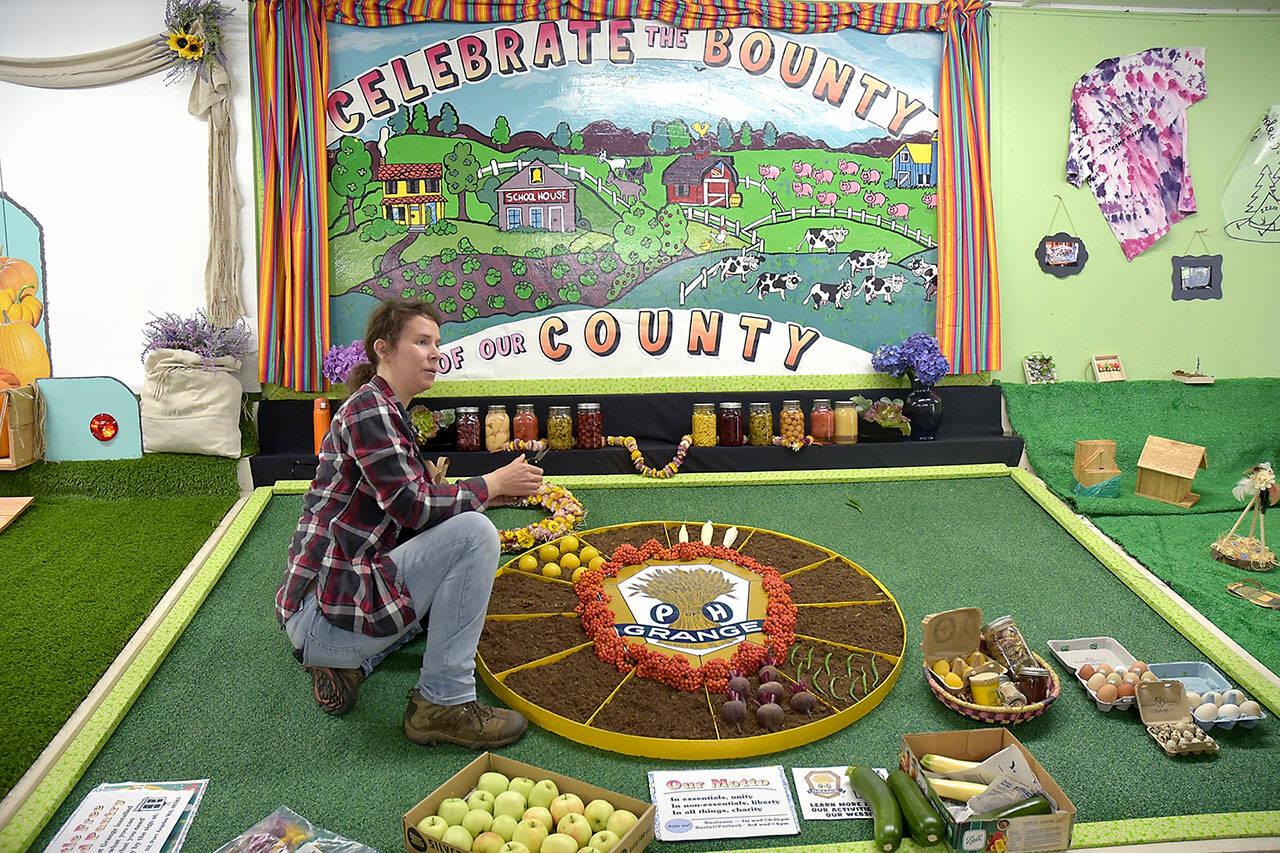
(704, 425)
(845, 427)
(590, 427)
(791, 421)
(1001, 639)
(524, 426)
(559, 428)
(821, 423)
(468, 428)
(729, 424)
(759, 424)
(497, 428)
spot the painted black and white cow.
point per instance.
(775, 282)
(821, 293)
(739, 265)
(873, 286)
(929, 273)
(871, 261)
(826, 239)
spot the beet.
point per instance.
(766, 673)
(734, 710)
(739, 684)
(804, 702)
(773, 688)
(770, 716)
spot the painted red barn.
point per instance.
(707, 182)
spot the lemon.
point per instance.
(528, 563)
(577, 573)
(940, 667)
(953, 681)
(548, 553)
(595, 563)
(587, 554)
(569, 562)
(551, 570)
(569, 543)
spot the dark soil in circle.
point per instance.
(833, 580)
(783, 554)
(574, 686)
(829, 677)
(515, 591)
(507, 643)
(869, 626)
(647, 708)
(607, 539)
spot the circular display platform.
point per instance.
(693, 609)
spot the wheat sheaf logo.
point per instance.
(688, 599)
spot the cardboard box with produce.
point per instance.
(989, 790)
(495, 803)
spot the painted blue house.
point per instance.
(915, 164)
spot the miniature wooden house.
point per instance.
(1095, 462)
(1166, 470)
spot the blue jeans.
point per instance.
(447, 569)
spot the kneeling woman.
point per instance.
(382, 540)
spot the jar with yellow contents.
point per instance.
(791, 422)
(704, 425)
(559, 428)
(759, 424)
(497, 428)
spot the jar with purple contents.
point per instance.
(729, 422)
(468, 427)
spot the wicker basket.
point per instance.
(1002, 715)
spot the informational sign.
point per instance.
(824, 793)
(131, 817)
(741, 802)
(582, 199)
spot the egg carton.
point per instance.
(1094, 650)
(1182, 738)
(1202, 678)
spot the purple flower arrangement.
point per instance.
(197, 334)
(339, 361)
(918, 357)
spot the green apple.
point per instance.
(544, 791)
(504, 825)
(598, 813)
(541, 815)
(530, 833)
(559, 843)
(493, 782)
(604, 840)
(510, 802)
(514, 847)
(458, 837)
(487, 842)
(564, 804)
(522, 785)
(433, 826)
(576, 826)
(621, 821)
(453, 810)
(481, 800)
(477, 821)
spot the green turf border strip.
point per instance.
(41, 804)
(1153, 594)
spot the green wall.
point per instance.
(1115, 305)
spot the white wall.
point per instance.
(117, 177)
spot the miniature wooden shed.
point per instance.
(1166, 470)
(1095, 461)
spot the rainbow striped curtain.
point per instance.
(290, 73)
(290, 56)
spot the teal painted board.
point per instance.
(71, 403)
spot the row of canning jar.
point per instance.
(499, 428)
(725, 427)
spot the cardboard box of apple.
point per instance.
(496, 805)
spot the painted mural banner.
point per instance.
(583, 199)
(1251, 201)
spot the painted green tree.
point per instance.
(679, 134)
(672, 231)
(448, 123)
(460, 176)
(421, 121)
(399, 123)
(770, 135)
(636, 237)
(501, 133)
(352, 171)
(724, 134)
(658, 140)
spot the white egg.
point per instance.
(1235, 697)
(1194, 699)
(1250, 708)
(1212, 696)
(1120, 668)
(1228, 711)
(1207, 712)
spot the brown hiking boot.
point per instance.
(469, 724)
(335, 689)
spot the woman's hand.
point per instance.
(516, 479)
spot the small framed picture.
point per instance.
(1039, 369)
(1107, 368)
(1061, 254)
(1197, 277)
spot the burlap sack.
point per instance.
(187, 408)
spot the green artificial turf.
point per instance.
(1235, 420)
(82, 567)
(230, 704)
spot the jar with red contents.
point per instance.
(590, 427)
(821, 421)
(729, 424)
(468, 428)
(524, 426)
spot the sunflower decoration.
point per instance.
(193, 34)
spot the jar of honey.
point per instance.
(524, 426)
(590, 427)
(729, 424)
(704, 425)
(821, 423)
(497, 428)
(468, 428)
(791, 422)
(846, 422)
(760, 425)
(559, 428)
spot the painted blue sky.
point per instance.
(636, 95)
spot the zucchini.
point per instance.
(944, 764)
(956, 790)
(1036, 805)
(924, 823)
(886, 816)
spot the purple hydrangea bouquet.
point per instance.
(918, 357)
(197, 334)
(339, 361)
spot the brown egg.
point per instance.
(1096, 681)
(1104, 668)
(1138, 667)
(1131, 677)
(1124, 690)
(1085, 671)
(1108, 693)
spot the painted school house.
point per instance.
(537, 197)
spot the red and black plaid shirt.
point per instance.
(371, 485)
